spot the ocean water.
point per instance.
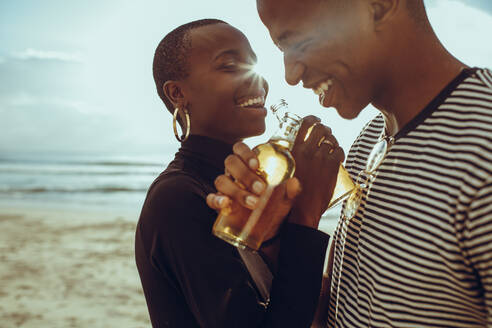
(78, 180)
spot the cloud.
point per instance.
(25, 100)
(30, 122)
(485, 5)
(34, 54)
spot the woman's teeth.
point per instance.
(252, 101)
(324, 86)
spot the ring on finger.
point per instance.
(324, 141)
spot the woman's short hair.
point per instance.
(171, 56)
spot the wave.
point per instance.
(38, 190)
(84, 163)
(76, 172)
(116, 163)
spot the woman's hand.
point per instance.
(240, 196)
(317, 162)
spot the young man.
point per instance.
(414, 248)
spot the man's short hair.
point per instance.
(171, 56)
(416, 9)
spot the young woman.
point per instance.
(203, 73)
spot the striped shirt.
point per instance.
(418, 252)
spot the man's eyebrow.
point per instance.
(281, 40)
(255, 59)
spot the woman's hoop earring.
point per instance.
(187, 134)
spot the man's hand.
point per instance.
(317, 162)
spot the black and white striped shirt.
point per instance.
(418, 252)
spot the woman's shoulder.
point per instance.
(175, 199)
(175, 184)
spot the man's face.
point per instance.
(225, 97)
(328, 45)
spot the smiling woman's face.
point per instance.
(223, 94)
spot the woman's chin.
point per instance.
(258, 131)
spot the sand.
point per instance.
(69, 269)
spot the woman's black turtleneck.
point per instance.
(192, 278)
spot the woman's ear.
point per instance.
(383, 10)
(174, 92)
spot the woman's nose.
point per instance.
(266, 87)
(254, 79)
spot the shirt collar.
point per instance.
(209, 150)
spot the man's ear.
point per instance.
(174, 92)
(384, 10)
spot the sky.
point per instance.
(76, 76)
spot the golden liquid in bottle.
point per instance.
(276, 162)
(247, 229)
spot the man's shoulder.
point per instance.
(485, 76)
(468, 108)
(476, 87)
(460, 130)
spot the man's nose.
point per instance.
(293, 70)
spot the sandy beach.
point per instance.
(68, 268)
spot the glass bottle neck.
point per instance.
(286, 135)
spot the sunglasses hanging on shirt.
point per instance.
(374, 160)
(352, 205)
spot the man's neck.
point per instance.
(420, 69)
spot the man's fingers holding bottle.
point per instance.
(338, 154)
(321, 136)
(306, 128)
(317, 141)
